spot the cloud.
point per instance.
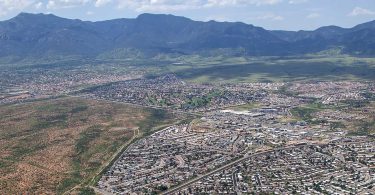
(13, 5)
(174, 5)
(100, 3)
(89, 13)
(137, 5)
(313, 15)
(270, 16)
(155, 5)
(38, 5)
(358, 11)
(262, 2)
(297, 1)
(61, 4)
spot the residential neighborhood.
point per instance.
(264, 142)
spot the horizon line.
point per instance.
(166, 14)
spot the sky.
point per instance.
(269, 14)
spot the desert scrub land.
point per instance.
(51, 146)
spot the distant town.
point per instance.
(282, 138)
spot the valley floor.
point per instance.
(189, 125)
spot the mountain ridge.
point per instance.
(39, 35)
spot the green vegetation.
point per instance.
(86, 191)
(68, 183)
(86, 137)
(162, 188)
(155, 117)
(4, 164)
(158, 102)
(304, 113)
(365, 128)
(22, 150)
(357, 127)
(272, 69)
(197, 102)
(336, 125)
(79, 108)
(50, 121)
(356, 103)
(284, 90)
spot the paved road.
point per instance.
(180, 187)
(233, 163)
(121, 150)
(177, 188)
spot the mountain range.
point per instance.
(41, 35)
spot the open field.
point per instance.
(51, 146)
(56, 76)
(363, 125)
(272, 69)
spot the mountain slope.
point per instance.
(40, 35)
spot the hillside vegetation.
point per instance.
(51, 146)
(35, 36)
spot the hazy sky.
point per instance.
(270, 14)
